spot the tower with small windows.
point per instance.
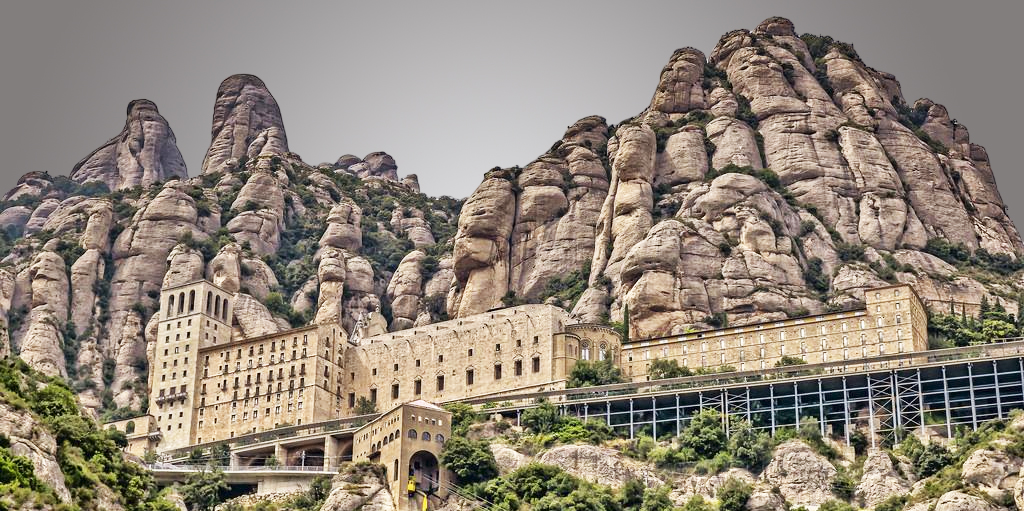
(192, 316)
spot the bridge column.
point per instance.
(234, 462)
(945, 400)
(974, 405)
(771, 405)
(679, 417)
(846, 412)
(630, 418)
(821, 408)
(281, 453)
(871, 410)
(330, 453)
(999, 398)
(654, 418)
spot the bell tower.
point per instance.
(192, 316)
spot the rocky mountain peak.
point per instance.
(145, 152)
(776, 26)
(246, 123)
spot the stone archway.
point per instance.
(424, 467)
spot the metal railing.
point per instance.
(331, 426)
(999, 348)
(175, 467)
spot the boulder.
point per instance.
(599, 465)
(879, 480)
(803, 476)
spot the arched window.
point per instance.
(585, 351)
(192, 300)
(170, 305)
(439, 438)
(130, 427)
(899, 319)
(181, 302)
(600, 354)
(216, 307)
(209, 301)
(413, 434)
(426, 436)
(224, 311)
(880, 321)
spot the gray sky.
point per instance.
(451, 89)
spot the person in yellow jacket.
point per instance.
(411, 487)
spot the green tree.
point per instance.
(933, 458)
(203, 490)
(749, 447)
(364, 406)
(463, 416)
(543, 418)
(697, 503)
(733, 495)
(704, 434)
(662, 368)
(631, 495)
(589, 374)
(788, 360)
(470, 460)
(656, 499)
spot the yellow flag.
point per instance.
(424, 502)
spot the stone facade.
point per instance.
(407, 440)
(209, 383)
(893, 321)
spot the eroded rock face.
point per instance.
(879, 480)
(520, 229)
(260, 210)
(145, 152)
(706, 485)
(957, 501)
(42, 340)
(244, 110)
(343, 227)
(366, 492)
(508, 459)
(803, 476)
(599, 464)
(30, 439)
(992, 471)
(405, 290)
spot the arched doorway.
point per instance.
(426, 471)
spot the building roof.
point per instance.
(424, 404)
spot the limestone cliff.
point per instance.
(778, 176)
(145, 152)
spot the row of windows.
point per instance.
(665, 350)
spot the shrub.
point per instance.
(470, 460)
(662, 368)
(733, 495)
(704, 434)
(587, 374)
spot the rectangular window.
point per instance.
(469, 377)
(519, 367)
(418, 387)
(536, 364)
(351, 399)
(394, 391)
(373, 395)
(497, 371)
(440, 383)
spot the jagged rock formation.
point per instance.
(599, 464)
(682, 235)
(879, 480)
(246, 123)
(802, 476)
(358, 489)
(523, 227)
(145, 152)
